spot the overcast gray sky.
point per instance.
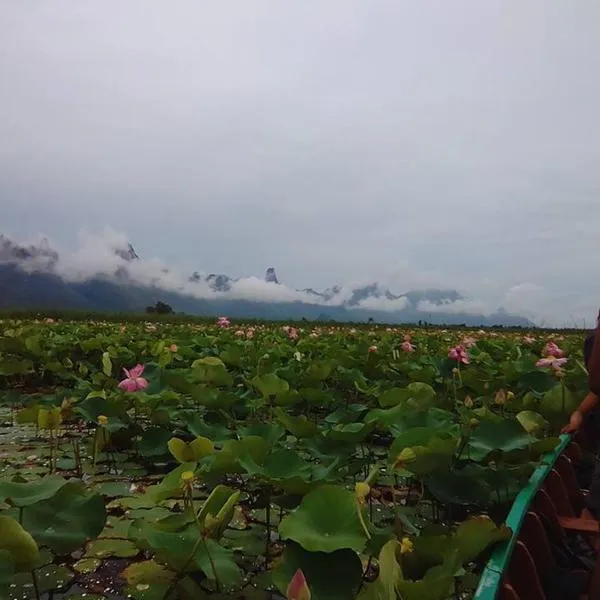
(449, 142)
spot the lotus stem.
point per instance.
(35, 584)
(268, 520)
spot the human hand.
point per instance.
(574, 423)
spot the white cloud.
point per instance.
(339, 144)
(468, 307)
(383, 303)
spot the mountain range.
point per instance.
(33, 276)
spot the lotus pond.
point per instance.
(161, 460)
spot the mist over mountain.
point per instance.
(106, 274)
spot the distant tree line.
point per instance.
(160, 308)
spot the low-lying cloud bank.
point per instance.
(108, 254)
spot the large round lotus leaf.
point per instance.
(147, 572)
(351, 432)
(430, 452)
(65, 521)
(327, 520)
(436, 584)
(111, 548)
(330, 576)
(464, 487)
(19, 544)
(532, 422)
(174, 548)
(211, 370)
(558, 401)
(114, 489)
(268, 431)
(26, 494)
(87, 565)
(270, 384)
(475, 534)
(346, 414)
(226, 461)
(488, 437)
(50, 577)
(299, 426)
(393, 397)
(170, 486)
(250, 542)
(145, 591)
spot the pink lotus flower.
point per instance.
(291, 332)
(173, 348)
(468, 342)
(298, 588)
(528, 339)
(551, 349)
(460, 354)
(134, 382)
(407, 346)
(552, 361)
(223, 322)
(373, 349)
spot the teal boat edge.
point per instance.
(491, 578)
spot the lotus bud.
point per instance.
(407, 455)
(362, 490)
(298, 588)
(469, 402)
(500, 398)
(406, 546)
(187, 478)
(210, 523)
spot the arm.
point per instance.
(594, 366)
(588, 403)
(578, 415)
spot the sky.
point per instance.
(417, 143)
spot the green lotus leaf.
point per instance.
(175, 548)
(326, 520)
(147, 572)
(532, 422)
(25, 494)
(488, 437)
(23, 551)
(299, 426)
(330, 576)
(390, 573)
(111, 548)
(171, 485)
(270, 385)
(466, 487)
(351, 432)
(475, 534)
(393, 397)
(67, 519)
